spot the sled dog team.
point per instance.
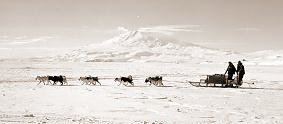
(157, 80)
(88, 80)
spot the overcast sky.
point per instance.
(230, 24)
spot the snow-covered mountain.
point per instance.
(154, 44)
(265, 57)
(147, 46)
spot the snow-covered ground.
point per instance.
(23, 101)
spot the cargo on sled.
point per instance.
(217, 80)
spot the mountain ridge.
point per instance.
(146, 47)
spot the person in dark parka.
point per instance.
(240, 71)
(231, 70)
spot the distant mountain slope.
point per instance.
(146, 47)
(265, 57)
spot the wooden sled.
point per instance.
(217, 80)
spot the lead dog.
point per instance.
(89, 80)
(157, 80)
(124, 80)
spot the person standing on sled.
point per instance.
(240, 72)
(231, 71)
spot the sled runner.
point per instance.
(217, 80)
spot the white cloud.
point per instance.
(123, 29)
(28, 41)
(246, 29)
(166, 29)
(170, 29)
(5, 48)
